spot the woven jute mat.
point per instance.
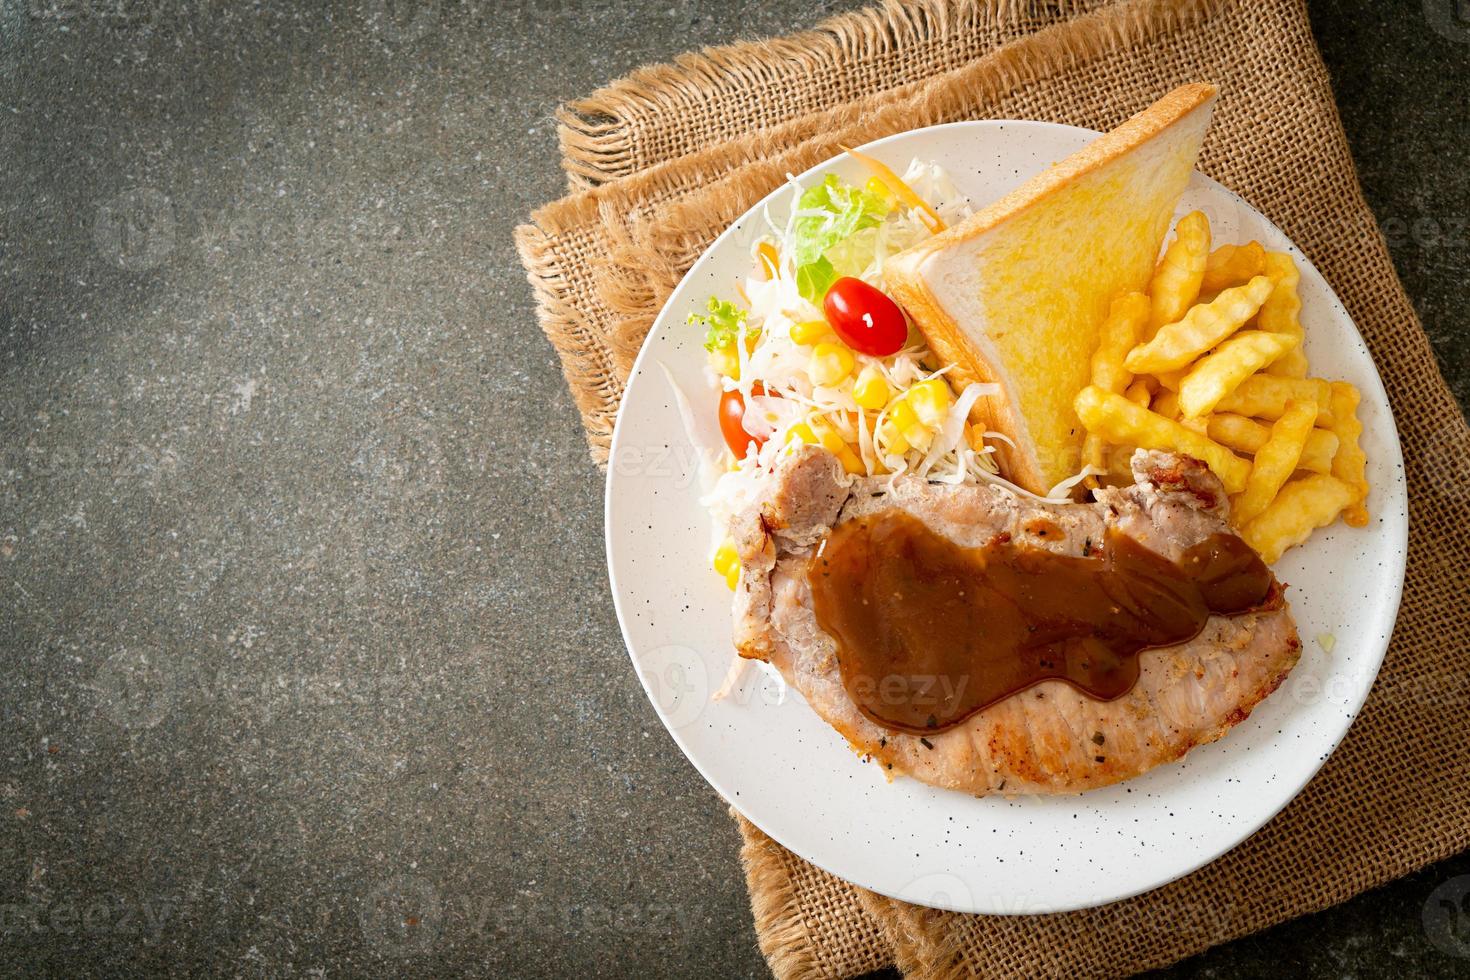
(660, 162)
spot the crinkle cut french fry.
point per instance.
(1115, 466)
(1275, 461)
(1138, 393)
(1120, 464)
(1281, 313)
(1350, 464)
(1264, 396)
(1121, 422)
(1118, 334)
(1167, 404)
(1178, 343)
(1231, 265)
(1175, 285)
(1248, 436)
(1220, 372)
(1302, 506)
(1169, 380)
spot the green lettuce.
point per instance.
(814, 279)
(833, 212)
(721, 324)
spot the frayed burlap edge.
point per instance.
(584, 354)
(597, 134)
(784, 913)
(780, 924)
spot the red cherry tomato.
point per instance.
(732, 421)
(865, 319)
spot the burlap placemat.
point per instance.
(671, 155)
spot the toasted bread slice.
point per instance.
(1016, 293)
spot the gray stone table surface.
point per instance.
(309, 664)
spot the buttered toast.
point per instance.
(1016, 293)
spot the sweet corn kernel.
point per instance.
(832, 442)
(902, 414)
(851, 461)
(725, 361)
(870, 390)
(820, 434)
(732, 578)
(726, 558)
(931, 400)
(809, 332)
(829, 364)
(919, 437)
(906, 420)
(876, 186)
(801, 432)
(893, 441)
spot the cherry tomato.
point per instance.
(732, 421)
(865, 319)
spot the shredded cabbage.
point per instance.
(951, 434)
(1063, 489)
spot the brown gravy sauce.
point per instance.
(930, 633)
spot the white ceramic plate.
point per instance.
(797, 779)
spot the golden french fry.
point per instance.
(1119, 333)
(1351, 463)
(1138, 393)
(1219, 373)
(1178, 343)
(1275, 461)
(1302, 506)
(1167, 404)
(1169, 380)
(1120, 464)
(1248, 436)
(1121, 422)
(1231, 265)
(1281, 314)
(1175, 285)
(1265, 396)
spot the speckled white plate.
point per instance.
(797, 779)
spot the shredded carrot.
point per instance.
(770, 260)
(901, 190)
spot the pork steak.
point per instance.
(1051, 737)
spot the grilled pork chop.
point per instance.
(1050, 737)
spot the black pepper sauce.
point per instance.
(930, 633)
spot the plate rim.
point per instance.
(1380, 649)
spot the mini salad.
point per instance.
(811, 349)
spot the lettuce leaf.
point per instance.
(721, 324)
(814, 279)
(831, 212)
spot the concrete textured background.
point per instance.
(303, 612)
